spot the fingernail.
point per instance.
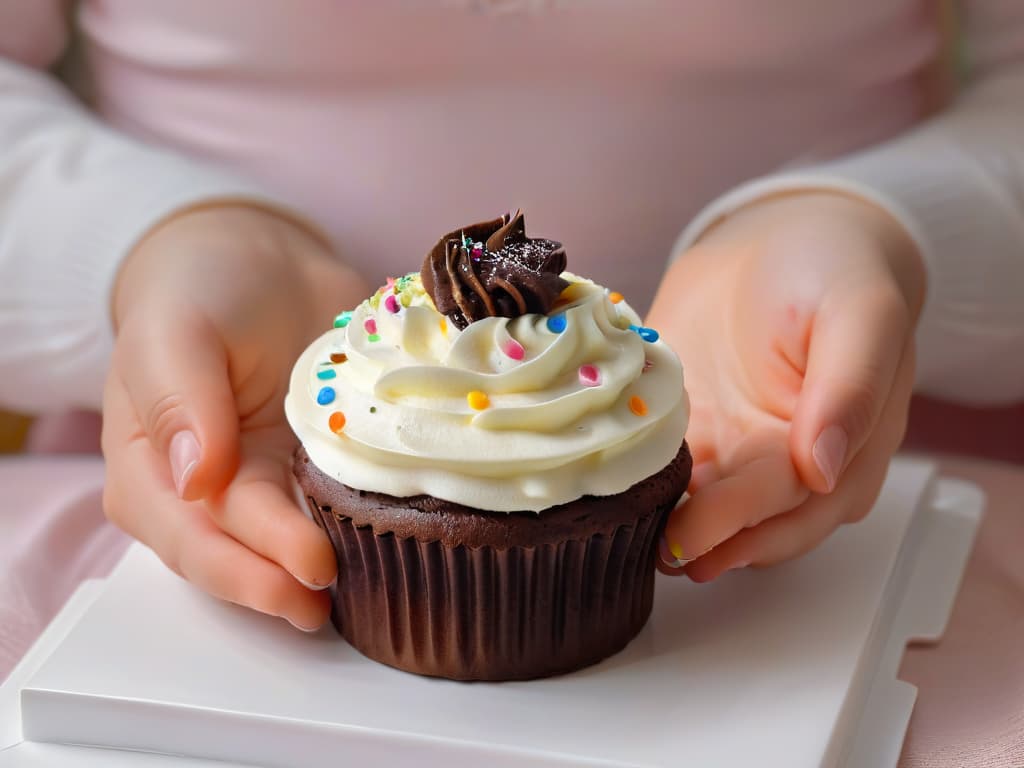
(671, 554)
(184, 456)
(738, 565)
(307, 630)
(310, 585)
(829, 453)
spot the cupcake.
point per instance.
(493, 445)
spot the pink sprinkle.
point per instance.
(370, 325)
(589, 375)
(390, 284)
(477, 252)
(514, 349)
(391, 304)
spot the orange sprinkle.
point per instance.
(478, 400)
(338, 357)
(637, 405)
(614, 297)
(336, 422)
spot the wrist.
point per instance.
(214, 237)
(842, 214)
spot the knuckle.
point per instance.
(164, 416)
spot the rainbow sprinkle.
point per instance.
(478, 400)
(325, 396)
(514, 349)
(637, 405)
(590, 376)
(370, 326)
(330, 373)
(343, 319)
(391, 304)
(647, 334)
(557, 323)
(336, 422)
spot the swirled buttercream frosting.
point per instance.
(504, 414)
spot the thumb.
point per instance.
(855, 347)
(176, 375)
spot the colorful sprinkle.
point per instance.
(373, 337)
(325, 396)
(391, 304)
(330, 373)
(647, 334)
(343, 319)
(373, 409)
(557, 323)
(514, 349)
(590, 376)
(444, 326)
(405, 298)
(389, 284)
(478, 400)
(370, 326)
(339, 357)
(477, 251)
(637, 405)
(614, 297)
(336, 422)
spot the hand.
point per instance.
(211, 309)
(794, 319)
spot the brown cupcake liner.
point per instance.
(490, 613)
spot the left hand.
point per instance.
(794, 319)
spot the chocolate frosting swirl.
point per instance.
(492, 269)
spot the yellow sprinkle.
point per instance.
(614, 297)
(405, 298)
(637, 405)
(676, 550)
(478, 400)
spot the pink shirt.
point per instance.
(610, 123)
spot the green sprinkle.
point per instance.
(374, 337)
(373, 409)
(343, 319)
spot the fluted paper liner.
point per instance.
(488, 613)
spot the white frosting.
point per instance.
(546, 438)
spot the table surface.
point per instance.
(970, 707)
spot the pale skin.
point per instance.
(791, 316)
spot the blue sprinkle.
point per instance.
(647, 334)
(556, 323)
(328, 373)
(325, 396)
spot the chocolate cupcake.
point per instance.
(492, 445)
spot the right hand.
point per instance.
(212, 309)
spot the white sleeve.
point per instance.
(956, 183)
(74, 199)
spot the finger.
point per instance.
(136, 499)
(260, 513)
(177, 379)
(764, 486)
(796, 532)
(855, 347)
